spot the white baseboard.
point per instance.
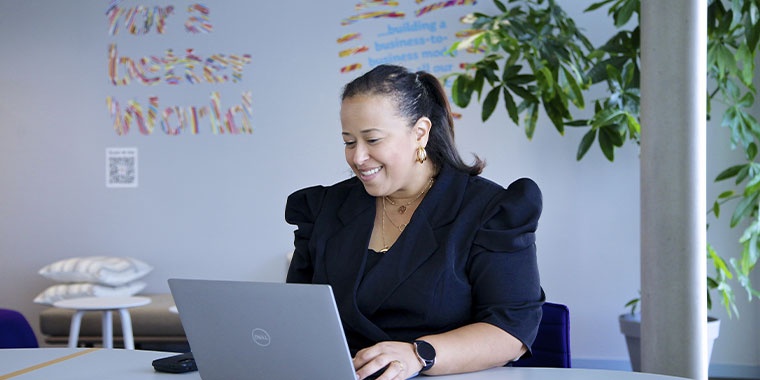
(722, 371)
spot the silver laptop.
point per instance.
(262, 330)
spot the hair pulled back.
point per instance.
(417, 95)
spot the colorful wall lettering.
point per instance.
(400, 32)
(173, 68)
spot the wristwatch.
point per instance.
(426, 354)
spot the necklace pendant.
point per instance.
(385, 249)
(402, 226)
(402, 209)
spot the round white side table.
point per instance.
(106, 305)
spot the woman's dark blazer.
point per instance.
(468, 255)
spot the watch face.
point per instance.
(425, 350)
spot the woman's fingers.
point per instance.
(386, 361)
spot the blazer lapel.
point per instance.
(404, 258)
(417, 243)
(345, 258)
(346, 250)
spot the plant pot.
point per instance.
(630, 326)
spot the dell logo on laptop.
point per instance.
(261, 337)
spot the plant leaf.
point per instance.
(744, 208)
(489, 104)
(729, 173)
(509, 102)
(586, 142)
(605, 143)
(460, 90)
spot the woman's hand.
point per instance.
(399, 358)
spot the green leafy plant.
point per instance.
(535, 59)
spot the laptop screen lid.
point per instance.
(262, 330)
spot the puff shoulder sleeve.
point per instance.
(301, 210)
(503, 268)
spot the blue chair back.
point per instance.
(552, 345)
(15, 331)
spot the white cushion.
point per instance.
(66, 291)
(112, 271)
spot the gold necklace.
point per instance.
(382, 232)
(382, 228)
(402, 209)
(400, 227)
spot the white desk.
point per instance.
(62, 364)
(92, 363)
(105, 305)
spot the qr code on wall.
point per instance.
(121, 167)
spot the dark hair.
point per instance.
(416, 95)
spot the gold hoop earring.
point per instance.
(421, 154)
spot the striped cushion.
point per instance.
(66, 291)
(112, 271)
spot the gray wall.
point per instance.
(211, 205)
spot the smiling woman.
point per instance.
(433, 267)
(380, 147)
